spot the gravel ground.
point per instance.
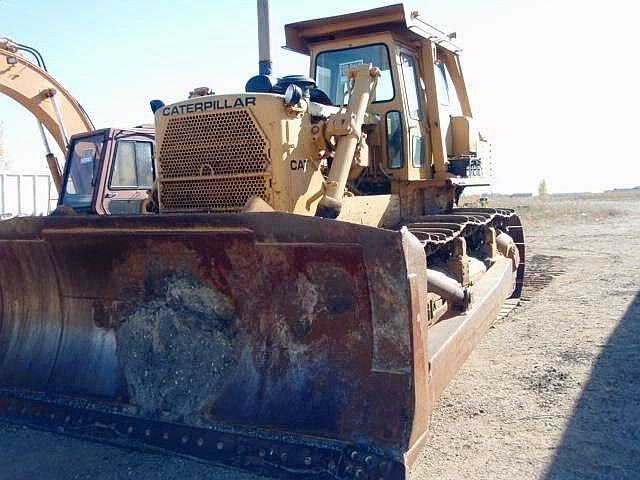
(552, 392)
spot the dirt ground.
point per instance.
(552, 392)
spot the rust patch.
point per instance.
(176, 352)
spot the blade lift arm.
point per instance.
(346, 127)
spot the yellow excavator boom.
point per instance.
(42, 95)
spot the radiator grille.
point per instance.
(227, 145)
(212, 194)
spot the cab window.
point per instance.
(442, 87)
(410, 79)
(395, 149)
(446, 92)
(418, 151)
(82, 172)
(133, 165)
(332, 68)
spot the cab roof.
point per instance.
(395, 18)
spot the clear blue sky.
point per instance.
(553, 83)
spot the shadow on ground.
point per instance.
(602, 440)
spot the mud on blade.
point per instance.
(267, 341)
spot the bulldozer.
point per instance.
(304, 284)
(105, 171)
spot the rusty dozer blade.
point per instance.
(293, 346)
(268, 341)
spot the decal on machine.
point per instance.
(207, 105)
(298, 165)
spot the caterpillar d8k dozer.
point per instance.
(304, 286)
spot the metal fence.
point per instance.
(26, 194)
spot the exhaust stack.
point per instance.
(264, 38)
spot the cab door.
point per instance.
(131, 173)
(415, 138)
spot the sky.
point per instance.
(553, 84)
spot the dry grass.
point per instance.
(577, 208)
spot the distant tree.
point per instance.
(542, 188)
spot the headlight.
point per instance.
(292, 95)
